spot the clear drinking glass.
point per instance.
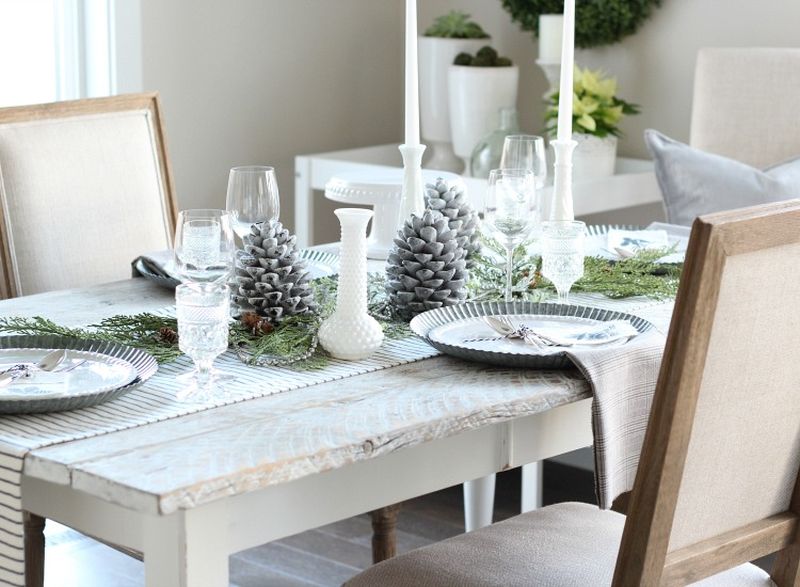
(510, 211)
(252, 197)
(562, 254)
(525, 152)
(203, 316)
(204, 245)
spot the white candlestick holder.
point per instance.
(412, 198)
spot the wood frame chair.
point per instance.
(77, 138)
(687, 520)
(645, 556)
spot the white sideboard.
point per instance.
(634, 184)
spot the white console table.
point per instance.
(634, 184)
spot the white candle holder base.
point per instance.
(350, 333)
(561, 207)
(412, 199)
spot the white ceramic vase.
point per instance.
(350, 333)
(436, 55)
(476, 96)
(594, 157)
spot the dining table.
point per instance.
(187, 491)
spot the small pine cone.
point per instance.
(256, 324)
(168, 335)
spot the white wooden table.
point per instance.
(190, 491)
(634, 184)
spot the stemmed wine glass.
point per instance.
(510, 211)
(204, 245)
(252, 197)
(525, 152)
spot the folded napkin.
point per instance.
(636, 240)
(159, 263)
(623, 380)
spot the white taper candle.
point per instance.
(412, 76)
(567, 66)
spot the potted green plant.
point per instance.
(596, 114)
(449, 35)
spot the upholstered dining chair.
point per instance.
(717, 485)
(85, 187)
(745, 104)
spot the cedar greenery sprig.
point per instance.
(640, 275)
(142, 331)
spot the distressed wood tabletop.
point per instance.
(198, 458)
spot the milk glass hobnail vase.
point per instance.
(351, 333)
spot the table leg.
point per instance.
(478, 502)
(187, 548)
(531, 486)
(384, 537)
(34, 549)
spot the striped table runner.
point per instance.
(153, 402)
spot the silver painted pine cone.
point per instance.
(426, 268)
(271, 279)
(451, 201)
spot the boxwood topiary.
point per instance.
(597, 22)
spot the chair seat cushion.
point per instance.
(565, 545)
(695, 182)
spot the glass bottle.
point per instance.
(487, 153)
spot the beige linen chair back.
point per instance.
(85, 187)
(717, 485)
(745, 104)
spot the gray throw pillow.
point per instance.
(695, 182)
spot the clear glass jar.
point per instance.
(487, 153)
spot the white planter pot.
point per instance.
(436, 55)
(476, 96)
(594, 157)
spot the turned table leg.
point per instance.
(384, 539)
(34, 549)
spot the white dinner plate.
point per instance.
(99, 373)
(573, 329)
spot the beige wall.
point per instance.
(655, 67)
(259, 81)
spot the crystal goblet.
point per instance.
(203, 320)
(563, 254)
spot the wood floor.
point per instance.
(326, 556)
